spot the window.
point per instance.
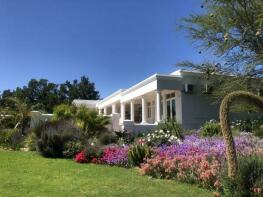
(149, 110)
(170, 106)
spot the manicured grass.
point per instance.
(28, 174)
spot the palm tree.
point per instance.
(18, 110)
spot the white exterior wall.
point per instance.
(152, 86)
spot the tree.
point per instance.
(44, 95)
(83, 89)
(15, 113)
(232, 30)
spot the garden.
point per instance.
(74, 154)
(184, 158)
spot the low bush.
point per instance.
(52, 137)
(107, 138)
(172, 126)
(249, 179)
(161, 137)
(71, 148)
(259, 132)
(125, 136)
(185, 168)
(31, 141)
(63, 112)
(138, 153)
(80, 158)
(248, 125)
(210, 128)
(11, 138)
(93, 152)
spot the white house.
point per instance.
(179, 95)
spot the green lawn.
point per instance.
(28, 174)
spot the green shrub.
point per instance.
(11, 138)
(52, 137)
(107, 138)
(138, 153)
(31, 141)
(172, 126)
(90, 122)
(93, 151)
(63, 112)
(125, 137)
(7, 122)
(210, 128)
(249, 177)
(248, 125)
(259, 132)
(72, 148)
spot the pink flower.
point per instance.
(80, 158)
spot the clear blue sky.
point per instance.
(116, 43)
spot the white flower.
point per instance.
(92, 144)
(179, 141)
(168, 131)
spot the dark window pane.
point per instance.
(173, 109)
(168, 110)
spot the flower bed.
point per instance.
(112, 155)
(197, 160)
(193, 160)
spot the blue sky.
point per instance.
(117, 43)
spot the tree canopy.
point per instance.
(232, 30)
(44, 95)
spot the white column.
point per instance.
(157, 104)
(132, 111)
(113, 107)
(143, 110)
(164, 106)
(105, 110)
(122, 112)
(99, 111)
(152, 110)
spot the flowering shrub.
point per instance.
(191, 168)
(92, 151)
(161, 137)
(115, 155)
(173, 126)
(80, 158)
(247, 125)
(197, 160)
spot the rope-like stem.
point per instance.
(225, 126)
